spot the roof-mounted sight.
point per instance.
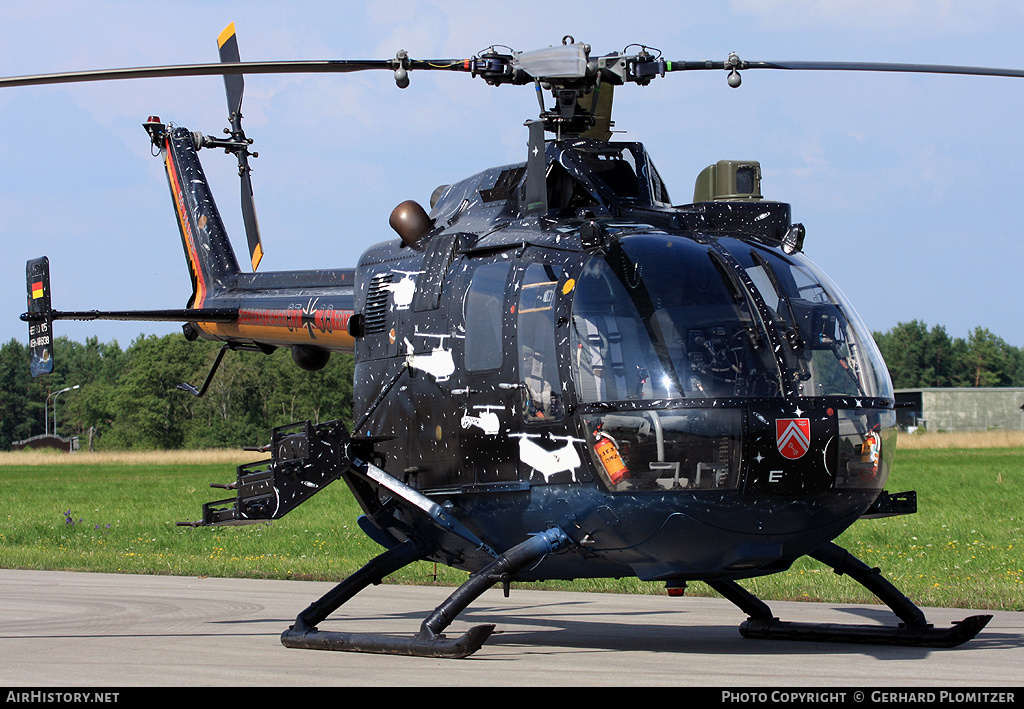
(729, 180)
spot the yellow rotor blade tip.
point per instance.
(225, 34)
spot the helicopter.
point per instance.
(560, 372)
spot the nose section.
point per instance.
(813, 448)
(790, 450)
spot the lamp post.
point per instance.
(46, 414)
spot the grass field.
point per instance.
(117, 513)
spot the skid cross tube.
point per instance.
(370, 574)
(429, 642)
(914, 631)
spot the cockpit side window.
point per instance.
(612, 353)
(535, 330)
(659, 193)
(484, 310)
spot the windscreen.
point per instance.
(667, 317)
(827, 349)
(660, 317)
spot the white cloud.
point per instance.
(912, 17)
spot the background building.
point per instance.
(961, 409)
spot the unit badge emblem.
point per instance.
(793, 437)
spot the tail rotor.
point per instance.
(234, 85)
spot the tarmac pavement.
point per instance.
(62, 630)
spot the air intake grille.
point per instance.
(377, 303)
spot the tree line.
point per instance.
(128, 399)
(919, 357)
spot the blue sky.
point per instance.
(909, 186)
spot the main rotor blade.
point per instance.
(883, 66)
(329, 66)
(741, 65)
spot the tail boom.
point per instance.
(315, 315)
(306, 310)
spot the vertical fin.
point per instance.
(211, 260)
(40, 331)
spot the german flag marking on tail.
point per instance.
(40, 327)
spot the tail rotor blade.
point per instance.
(252, 227)
(234, 84)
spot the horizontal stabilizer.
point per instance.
(40, 316)
(178, 315)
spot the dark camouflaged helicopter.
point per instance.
(560, 373)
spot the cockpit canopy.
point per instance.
(668, 317)
(589, 172)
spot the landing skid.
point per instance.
(914, 631)
(307, 457)
(429, 642)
